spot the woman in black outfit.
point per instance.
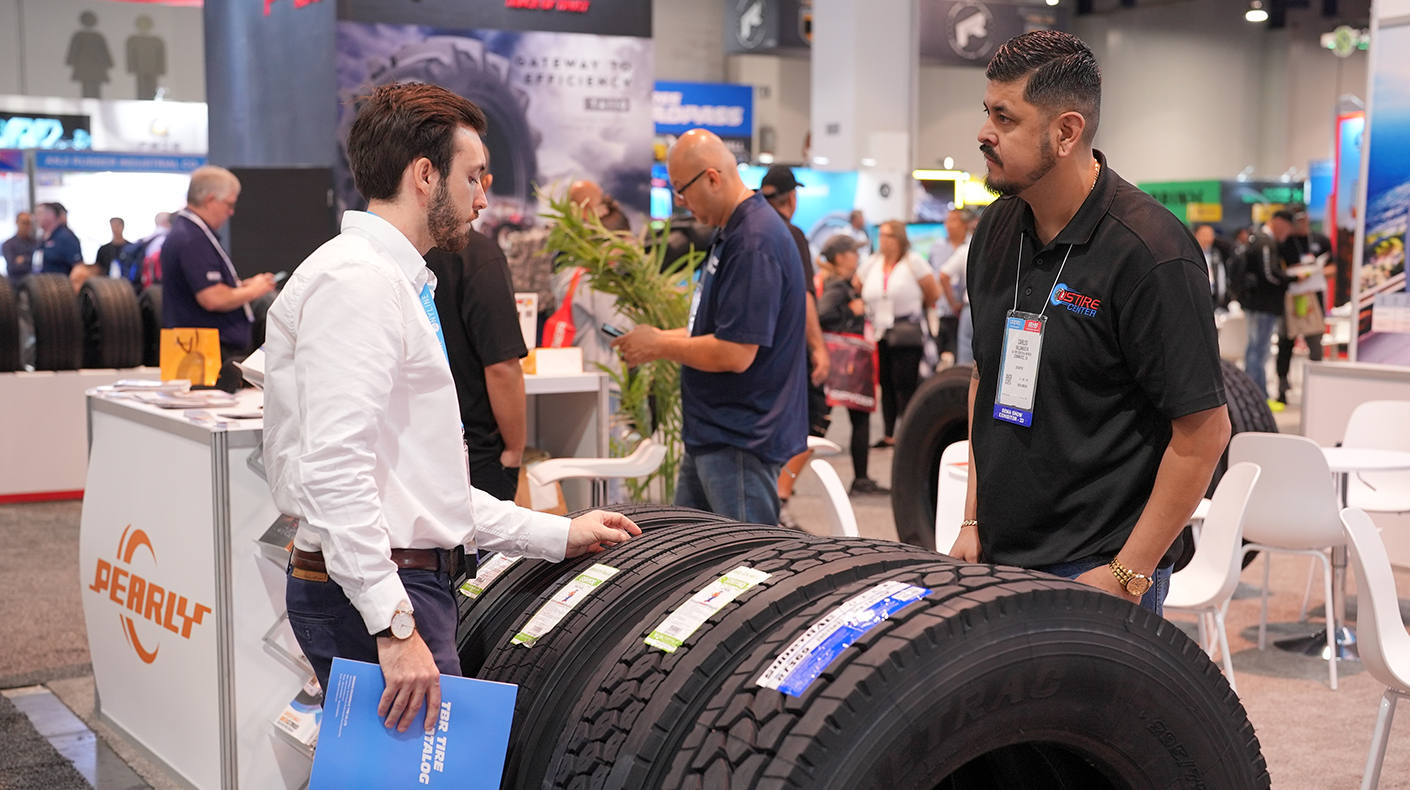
(840, 309)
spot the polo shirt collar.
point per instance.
(1083, 225)
(392, 242)
(745, 208)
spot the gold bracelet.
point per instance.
(969, 522)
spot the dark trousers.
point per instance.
(949, 333)
(495, 479)
(1285, 352)
(861, 441)
(900, 373)
(327, 626)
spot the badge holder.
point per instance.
(1018, 373)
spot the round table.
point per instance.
(1342, 461)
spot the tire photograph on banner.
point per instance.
(561, 107)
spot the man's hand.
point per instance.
(1103, 579)
(822, 365)
(259, 285)
(511, 459)
(412, 679)
(966, 546)
(639, 345)
(600, 529)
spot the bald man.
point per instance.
(743, 352)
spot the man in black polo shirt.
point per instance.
(1097, 405)
(744, 369)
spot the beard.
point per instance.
(1047, 160)
(444, 221)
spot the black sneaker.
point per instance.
(865, 485)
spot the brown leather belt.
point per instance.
(308, 565)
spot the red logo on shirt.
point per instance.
(1076, 302)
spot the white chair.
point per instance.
(950, 495)
(841, 519)
(821, 446)
(1208, 582)
(644, 460)
(1379, 425)
(1384, 643)
(1293, 510)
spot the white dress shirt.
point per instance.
(362, 437)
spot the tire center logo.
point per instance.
(969, 29)
(139, 598)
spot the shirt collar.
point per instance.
(745, 207)
(1083, 225)
(392, 242)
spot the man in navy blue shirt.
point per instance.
(199, 284)
(744, 377)
(61, 248)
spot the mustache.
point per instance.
(988, 151)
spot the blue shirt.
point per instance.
(61, 251)
(751, 292)
(191, 264)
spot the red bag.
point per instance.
(852, 380)
(559, 330)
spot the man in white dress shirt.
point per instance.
(363, 440)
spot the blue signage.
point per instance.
(122, 163)
(727, 110)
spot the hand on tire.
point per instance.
(966, 546)
(412, 679)
(1103, 579)
(600, 529)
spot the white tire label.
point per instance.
(485, 575)
(805, 659)
(689, 616)
(564, 601)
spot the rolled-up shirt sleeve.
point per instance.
(345, 368)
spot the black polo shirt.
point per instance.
(1130, 345)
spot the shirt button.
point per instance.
(1028, 292)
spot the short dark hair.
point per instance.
(1064, 74)
(56, 207)
(401, 123)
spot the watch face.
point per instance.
(403, 623)
(1137, 586)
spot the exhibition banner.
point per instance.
(1383, 304)
(561, 106)
(599, 17)
(722, 108)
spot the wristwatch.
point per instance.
(403, 622)
(1134, 583)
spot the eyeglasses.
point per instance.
(680, 193)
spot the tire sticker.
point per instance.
(556, 608)
(689, 616)
(493, 568)
(805, 659)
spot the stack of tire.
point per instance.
(44, 325)
(712, 654)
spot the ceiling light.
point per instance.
(949, 163)
(1052, 2)
(868, 162)
(820, 160)
(1256, 12)
(766, 158)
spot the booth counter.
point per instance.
(192, 656)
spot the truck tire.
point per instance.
(112, 324)
(9, 328)
(937, 416)
(556, 671)
(626, 730)
(150, 303)
(485, 621)
(51, 325)
(1025, 682)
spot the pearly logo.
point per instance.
(138, 597)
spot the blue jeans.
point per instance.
(327, 625)
(730, 482)
(1154, 599)
(1260, 340)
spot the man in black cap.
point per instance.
(780, 188)
(1265, 283)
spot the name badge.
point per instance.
(1018, 373)
(885, 316)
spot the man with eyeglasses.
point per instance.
(200, 287)
(743, 352)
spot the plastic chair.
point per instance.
(644, 460)
(950, 495)
(1384, 643)
(1208, 582)
(1379, 425)
(1293, 509)
(841, 519)
(821, 446)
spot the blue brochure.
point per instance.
(466, 751)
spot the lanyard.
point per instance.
(200, 223)
(428, 303)
(1018, 270)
